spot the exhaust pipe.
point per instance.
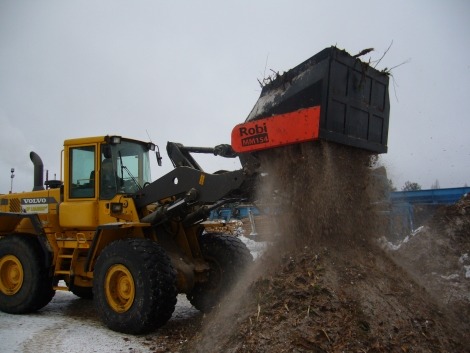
(38, 171)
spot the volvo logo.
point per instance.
(34, 201)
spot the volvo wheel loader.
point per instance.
(106, 231)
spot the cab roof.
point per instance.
(97, 139)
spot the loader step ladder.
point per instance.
(69, 249)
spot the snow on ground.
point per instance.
(391, 246)
(256, 247)
(467, 271)
(465, 259)
(69, 324)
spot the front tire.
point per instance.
(134, 286)
(25, 283)
(228, 257)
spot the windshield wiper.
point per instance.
(123, 167)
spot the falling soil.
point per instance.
(324, 284)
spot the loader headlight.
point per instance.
(116, 207)
(151, 146)
(113, 140)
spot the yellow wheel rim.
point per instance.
(11, 275)
(120, 288)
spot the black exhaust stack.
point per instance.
(38, 171)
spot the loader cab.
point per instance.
(98, 170)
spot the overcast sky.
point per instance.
(187, 71)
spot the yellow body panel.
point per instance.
(43, 202)
(128, 214)
(78, 214)
(84, 141)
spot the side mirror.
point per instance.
(159, 157)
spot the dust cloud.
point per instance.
(316, 197)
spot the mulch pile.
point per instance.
(325, 285)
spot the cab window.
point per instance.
(109, 180)
(82, 172)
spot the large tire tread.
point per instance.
(155, 280)
(37, 289)
(228, 257)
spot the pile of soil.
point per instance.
(325, 285)
(437, 256)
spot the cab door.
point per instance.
(80, 207)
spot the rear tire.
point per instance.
(25, 283)
(134, 286)
(228, 257)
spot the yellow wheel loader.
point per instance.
(107, 231)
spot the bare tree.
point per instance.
(411, 186)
